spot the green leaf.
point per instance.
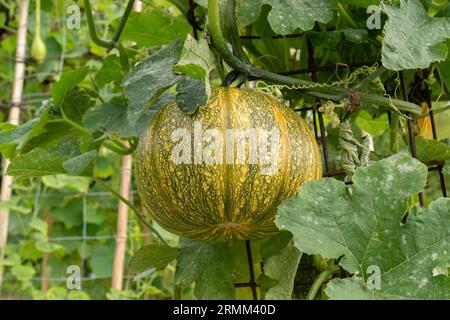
(48, 247)
(432, 150)
(364, 226)
(446, 168)
(191, 94)
(11, 137)
(77, 295)
(71, 213)
(102, 260)
(68, 80)
(154, 27)
(209, 265)
(287, 15)
(81, 165)
(422, 268)
(412, 39)
(111, 71)
(354, 35)
(59, 181)
(112, 116)
(150, 78)
(56, 293)
(151, 258)
(196, 59)
(328, 40)
(38, 225)
(36, 163)
(75, 104)
(23, 272)
(373, 126)
(281, 259)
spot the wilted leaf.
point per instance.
(196, 59)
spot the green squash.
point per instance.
(220, 173)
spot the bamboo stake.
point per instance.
(14, 116)
(122, 222)
(122, 219)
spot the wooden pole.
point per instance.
(14, 117)
(122, 223)
(122, 219)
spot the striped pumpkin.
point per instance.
(224, 198)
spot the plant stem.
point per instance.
(93, 32)
(132, 207)
(123, 21)
(320, 280)
(394, 127)
(253, 72)
(346, 16)
(233, 32)
(37, 24)
(370, 78)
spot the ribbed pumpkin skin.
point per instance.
(224, 201)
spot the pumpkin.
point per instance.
(220, 173)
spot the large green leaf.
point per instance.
(364, 226)
(150, 78)
(112, 116)
(67, 81)
(36, 163)
(154, 27)
(412, 39)
(287, 15)
(423, 273)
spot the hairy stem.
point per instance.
(312, 293)
(93, 32)
(308, 87)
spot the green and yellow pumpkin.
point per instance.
(197, 174)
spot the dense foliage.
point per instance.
(85, 105)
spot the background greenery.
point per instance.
(83, 101)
